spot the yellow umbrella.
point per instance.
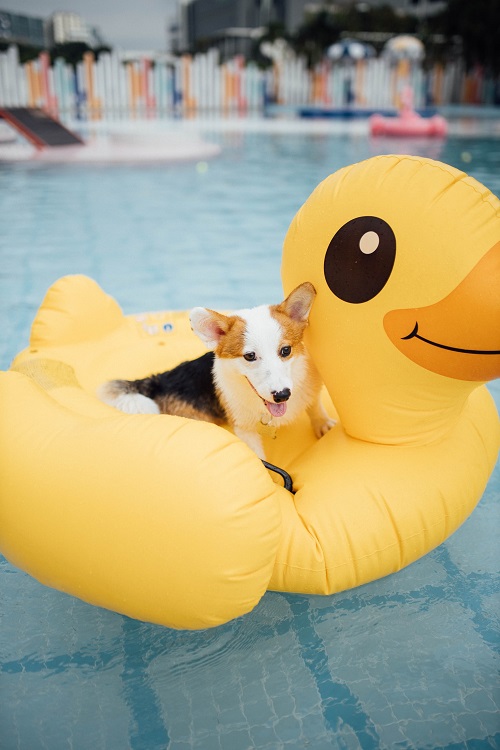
(405, 47)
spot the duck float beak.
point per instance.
(459, 336)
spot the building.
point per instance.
(43, 33)
(419, 8)
(22, 30)
(63, 28)
(232, 26)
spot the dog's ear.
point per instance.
(208, 325)
(299, 302)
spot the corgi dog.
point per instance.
(256, 373)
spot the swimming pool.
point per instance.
(409, 661)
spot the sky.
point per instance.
(127, 24)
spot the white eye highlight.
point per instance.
(369, 242)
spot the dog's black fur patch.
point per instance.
(191, 381)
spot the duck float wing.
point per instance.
(137, 514)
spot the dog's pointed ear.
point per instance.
(299, 302)
(208, 325)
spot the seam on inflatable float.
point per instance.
(445, 519)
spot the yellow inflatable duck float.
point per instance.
(178, 522)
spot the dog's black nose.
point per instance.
(283, 395)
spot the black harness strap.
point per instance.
(287, 479)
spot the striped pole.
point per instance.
(30, 83)
(37, 86)
(88, 71)
(43, 78)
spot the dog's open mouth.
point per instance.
(275, 410)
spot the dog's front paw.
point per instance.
(323, 426)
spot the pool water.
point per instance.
(410, 661)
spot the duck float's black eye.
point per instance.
(360, 258)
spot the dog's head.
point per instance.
(263, 344)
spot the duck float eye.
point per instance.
(360, 258)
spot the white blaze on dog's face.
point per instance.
(262, 344)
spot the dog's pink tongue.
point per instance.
(276, 410)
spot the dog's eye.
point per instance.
(285, 351)
(250, 356)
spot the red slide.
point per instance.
(38, 127)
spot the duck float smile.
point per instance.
(178, 522)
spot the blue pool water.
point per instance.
(410, 661)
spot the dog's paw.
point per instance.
(321, 427)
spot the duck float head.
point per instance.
(177, 522)
(404, 253)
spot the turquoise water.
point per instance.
(410, 661)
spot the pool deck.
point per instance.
(109, 145)
(184, 139)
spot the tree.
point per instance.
(315, 35)
(274, 32)
(73, 52)
(26, 51)
(379, 18)
(325, 27)
(478, 25)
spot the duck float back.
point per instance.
(177, 522)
